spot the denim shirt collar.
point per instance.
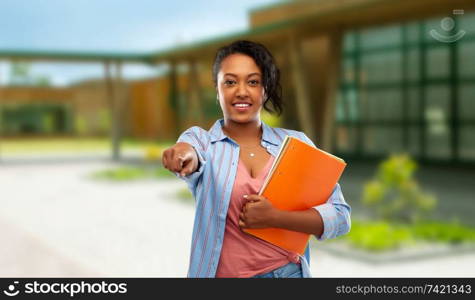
(217, 134)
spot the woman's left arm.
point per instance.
(328, 220)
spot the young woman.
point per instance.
(225, 167)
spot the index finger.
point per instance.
(178, 161)
(252, 197)
(166, 159)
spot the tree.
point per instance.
(20, 74)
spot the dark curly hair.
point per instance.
(266, 63)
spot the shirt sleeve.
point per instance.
(335, 212)
(194, 137)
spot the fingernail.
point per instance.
(245, 196)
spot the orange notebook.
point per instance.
(301, 177)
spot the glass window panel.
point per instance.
(413, 65)
(438, 141)
(349, 41)
(340, 113)
(382, 140)
(352, 104)
(414, 140)
(437, 112)
(413, 104)
(438, 62)
(466, 22)
(437, 103)
(467, 102)
(466, 59)
(383, 105)
(412, 30)
(381, 36)
(467, 142)
(348, 70)
(345, 138)
(381, 67)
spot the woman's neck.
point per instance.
(243, 132)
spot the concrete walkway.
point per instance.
(91, 228)
(57, 222)
(325, 264)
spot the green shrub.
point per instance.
(394, 195)
(382, 236)
(378, 236)
(453, 233)
(133, 173)
(185, 195)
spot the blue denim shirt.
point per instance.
(212, 184)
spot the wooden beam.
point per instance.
(331, 86)
(173, 96)
(115, 94)
(110, 94)
(109, 85)
(195, 93)
(302, 93)
(119, 108)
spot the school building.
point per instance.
(363, 78)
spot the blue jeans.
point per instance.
(290, 270)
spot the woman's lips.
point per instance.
(242, 108)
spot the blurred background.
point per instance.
(92, 92)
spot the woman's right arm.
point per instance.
(187, 158)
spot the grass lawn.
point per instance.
(133, 173)
(74, 144)
(379, 236)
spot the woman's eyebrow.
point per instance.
(234, 75)
(252, 74)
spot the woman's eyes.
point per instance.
(250, 82)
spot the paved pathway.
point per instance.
(106, 229)
(55, 221)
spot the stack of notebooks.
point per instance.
(301, 177)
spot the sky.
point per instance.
(113, 25)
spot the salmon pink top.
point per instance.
(243, 255)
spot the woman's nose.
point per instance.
(242, 90)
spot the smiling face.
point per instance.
(240, 89)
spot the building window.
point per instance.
(404, 91)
